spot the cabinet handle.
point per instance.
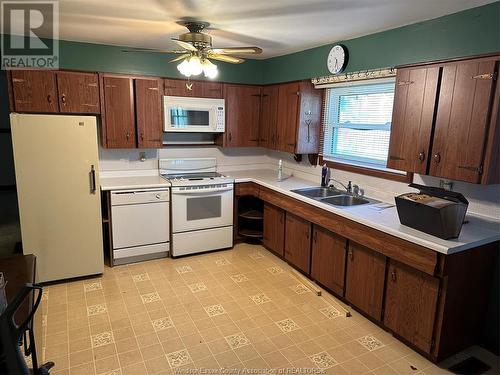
(478, 170)
(291, 144)
(437, 157)
(351, 255)
(93, 186)
(393, 275)
(128, 136)
(142, 136)
(421, 156)
(308, 123)
(230, 137)
(49, 98)
(253, 140)
(63, 98)
(315, 236)
(281, 219)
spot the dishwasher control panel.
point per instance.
(122, 197)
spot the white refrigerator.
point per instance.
(57, 177)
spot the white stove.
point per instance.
(202, 205)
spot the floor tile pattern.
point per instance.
(156, 318)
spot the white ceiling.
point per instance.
(277, 26)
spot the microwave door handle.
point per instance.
(200, 191)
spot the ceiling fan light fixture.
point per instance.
(190, 66)
(209, 69)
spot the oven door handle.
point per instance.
(200, 191)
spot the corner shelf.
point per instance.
(250, 218)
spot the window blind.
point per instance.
(357, 123)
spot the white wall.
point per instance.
(484, 200)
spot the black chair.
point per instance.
(12, 336)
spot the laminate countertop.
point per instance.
(477, 231)
(133, 182)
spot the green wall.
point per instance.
(105, 58)
(469, 32)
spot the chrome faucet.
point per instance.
(348, 188)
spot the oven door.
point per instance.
(202, 207)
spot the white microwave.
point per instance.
(198, 115)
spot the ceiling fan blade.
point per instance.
(225, 58)
(181, 57)
(237, 51)
(142, 50)
(185, 45)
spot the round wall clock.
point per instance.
(337, 59)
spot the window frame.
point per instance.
(353, 165)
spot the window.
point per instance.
(358, 123)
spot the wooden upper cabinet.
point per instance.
(242, 115)
(412, 118)
(410, 304)
(309, 119)
(148, 95)
(298, 242)
(208, 90)
(365, 279)
(199, 89)
(298, 118)
(175, 87)
(118, 112)
(328, 259)
(269, 111)
(462, 120)
(274, 228)
(34, 91)
(78, 92)
(288, 107)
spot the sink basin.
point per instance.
(345, 200)
(317, 192)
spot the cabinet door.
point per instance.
(176, 87)
(463, 112)
(78, 92)
(119, 112)
(288, 106)
(274, 228)
(410, 304)
(242, 115)
(365, 279)
(208, 90)
(148, 113)
(298, 242)
(268, 127)
(412, 119)
(308, 119)
(328, 259)
(34, 91)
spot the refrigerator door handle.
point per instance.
(92, 180)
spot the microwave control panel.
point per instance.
(219, 119)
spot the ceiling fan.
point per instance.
(197, 51)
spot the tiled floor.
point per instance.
(241, 308)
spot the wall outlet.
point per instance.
(446, 184)
(142, 156)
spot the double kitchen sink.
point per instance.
(334, 197)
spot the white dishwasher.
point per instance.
(140, 222)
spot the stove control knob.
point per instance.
(158, 196)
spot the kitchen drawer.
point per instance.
(246, 188)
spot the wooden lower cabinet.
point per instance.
(328, 259)
(298, 242)
(410, 304)
(365, 279)
(274, 229)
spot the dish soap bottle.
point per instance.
(324, 175)
(280, 170)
